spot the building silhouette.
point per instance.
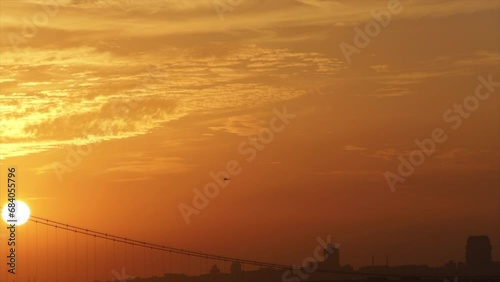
(236, 272)
(478, 267)
(478, 252)
(331, 257)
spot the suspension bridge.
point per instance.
(64, 252)
(51, 251)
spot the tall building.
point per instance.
(478, 252)
(236, 272)
(331, 257)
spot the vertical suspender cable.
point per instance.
(47, 251)
(95, 259)
(55, 247)
(36, 250)
(87, 258)
(76, 262)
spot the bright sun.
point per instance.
(22, 213)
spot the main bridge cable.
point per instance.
(133, 242)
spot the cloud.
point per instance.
(477, 59)
(400, 81)
(97, 96)
(242, 125)
(173, 59)
(380, 68)
(353, 148)
(392, 92)
(134, 164)
(368, 175)
(468, 159)
(270, 163)
(386, 154)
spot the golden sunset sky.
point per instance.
(157, 94)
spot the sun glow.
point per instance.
(21, 213)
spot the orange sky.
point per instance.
(163, 92)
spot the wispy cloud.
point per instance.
(241, 125)
(380, 68)
(110, 96)
(353, 148)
